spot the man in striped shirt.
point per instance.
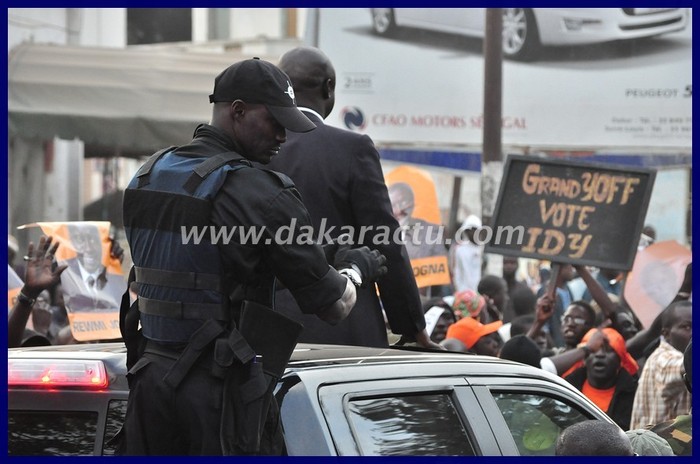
(662, 394)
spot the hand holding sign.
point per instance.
(544, 308)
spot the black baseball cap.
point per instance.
(261, 82)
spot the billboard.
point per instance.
(423, 82)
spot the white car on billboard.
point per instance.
(526, 30)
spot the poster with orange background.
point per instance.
(66, 249)
(430, 267)
(426, 203)
(93, 283)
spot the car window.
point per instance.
(425, 424)
(115, 419)
(56, 433)
(535, 421)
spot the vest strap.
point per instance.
(210, 165)
(179, 310)
(144, 172)
(186, 280)
(199, 341)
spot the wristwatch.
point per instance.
(22, 298)
(353, 275)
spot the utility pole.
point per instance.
(491, 156)
(73, 25)
(316, 26)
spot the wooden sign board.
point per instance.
(570, 212)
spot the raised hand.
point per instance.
(38, 275)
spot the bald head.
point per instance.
(593, 438)
(313, 78)
(402, 201)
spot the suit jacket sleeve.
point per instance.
(371, 207)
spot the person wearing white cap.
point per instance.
(466, 256)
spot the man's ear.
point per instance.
(237, 109)
(327, 88)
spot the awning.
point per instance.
(133, 99)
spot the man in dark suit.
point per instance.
(87, 284)
(340, 179)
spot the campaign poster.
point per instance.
(414, 205)
(93, 283)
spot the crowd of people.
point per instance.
(640, 376)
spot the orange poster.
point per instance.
(425, 205)
(430, 271)
(414, 205)
(93, 283)
(656, 277)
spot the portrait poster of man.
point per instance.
(93, 283)
(415, 206)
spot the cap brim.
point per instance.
(291, 118)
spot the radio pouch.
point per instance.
(249, 386)
(270, 334)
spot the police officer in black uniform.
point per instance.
(210, 237)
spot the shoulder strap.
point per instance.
(283, 178)
(210, 165)
(144, 172)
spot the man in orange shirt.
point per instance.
(608, 377)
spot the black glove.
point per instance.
(330, 249)
(371, 264)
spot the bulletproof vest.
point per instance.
(167, 218)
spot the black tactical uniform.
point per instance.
(198, 385)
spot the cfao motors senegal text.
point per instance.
(346, 235)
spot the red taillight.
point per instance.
(56, 373)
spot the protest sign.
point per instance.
(570, 212)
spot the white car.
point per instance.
(525, 30)
(334, 401)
